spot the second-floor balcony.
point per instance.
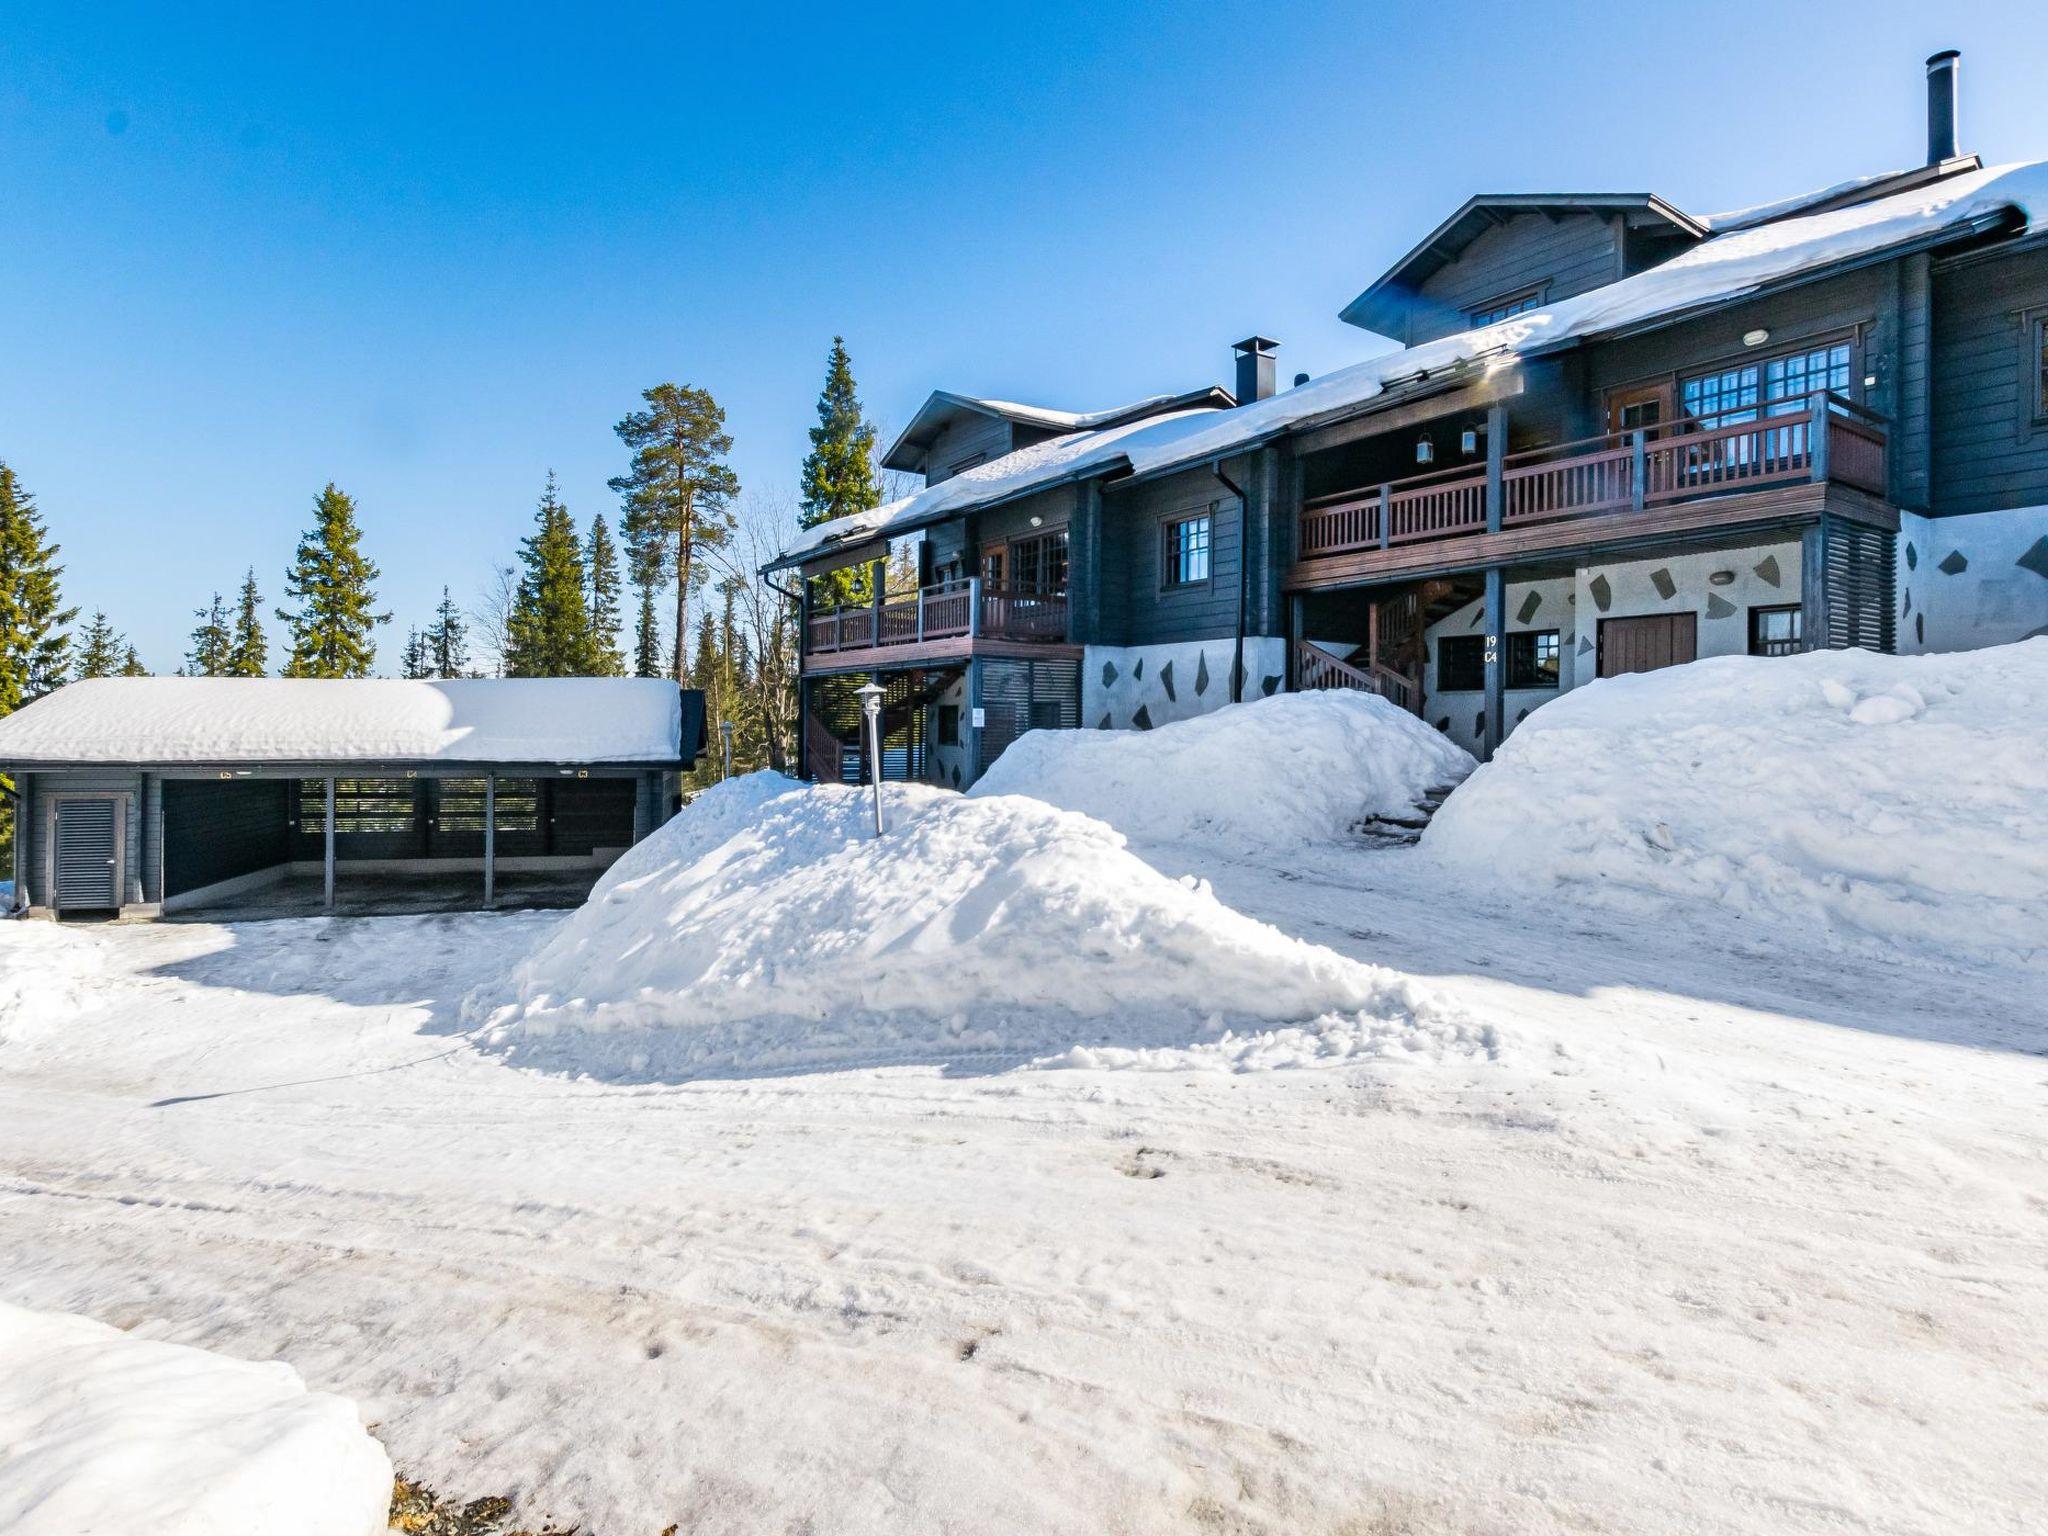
(1823, 439)
(946, 618)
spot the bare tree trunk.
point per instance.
(686, 543)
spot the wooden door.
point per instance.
(1647, 643)
(1646, 406)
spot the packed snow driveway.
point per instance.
(1723, 1238)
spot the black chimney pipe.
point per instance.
(1256, 378)
(1942, 105)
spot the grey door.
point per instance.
(88, 853)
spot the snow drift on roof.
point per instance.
(1326, 761)
(1760, 213)
(1723, 268)
(1069, 421)
(300, 720)
(767, 929)
(1851, 796)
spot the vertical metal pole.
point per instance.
(327, 850)
(1496, 669)
(490, 838)
(874, 714)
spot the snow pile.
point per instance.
(282, 719)
(766, 928)
(103, 1432)
(1864, 797)
(49, 975)
(1272, 773)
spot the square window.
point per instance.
(1460, 663)
(1184, 555)
(1533, 659)
(1774, 631)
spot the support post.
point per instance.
(878, 582)
(1817, 438)
(1386, 516)
(490, 838)
(1496, 465)
(973, 607)
(24, 834)
(974, 708)
(1813, 587)
(1639, 472)
(1496, 661)
(327, 850)
(1296, 619)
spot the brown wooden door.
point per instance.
(1639, 405)
(1647, 643)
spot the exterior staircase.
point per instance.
(1403, 831)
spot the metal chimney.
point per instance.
(1256, 377)
(1942, 105)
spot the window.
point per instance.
(992, 567)
(459, 805)
(949, 725)
(1040, 564)
(1507, 306)
(2041, 369)
(1184, 556)
(1779, 385)
(1460, 663)
(1532, 659)
(1774, 631)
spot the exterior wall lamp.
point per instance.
(1468, 441)
(1425, 449)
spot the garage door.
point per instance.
(1644, 644)
(88, 847)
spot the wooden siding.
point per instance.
(968, 434)
(1566, 256)
(50, 786)
(1134, 609)
(1988, 453)
(215, 830)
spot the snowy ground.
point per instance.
(1728, 1234)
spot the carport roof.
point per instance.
(473, 721)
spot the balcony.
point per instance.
(1617, 486)
(947, 620)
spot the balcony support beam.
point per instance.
(1496, 465)
(1496, 661)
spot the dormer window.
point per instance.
(1506, 307)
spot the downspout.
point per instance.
(1244, 565)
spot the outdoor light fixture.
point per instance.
(1755, 338)
(1468, 441)
(1425, 449)
(870, 696)
(1037, 522)
(1721, 578)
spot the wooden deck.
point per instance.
(949, 621)
(1602, 495)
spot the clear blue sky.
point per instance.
(250, 249)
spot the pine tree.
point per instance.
(678, 494)
(330, 580)
(549, 630)
(131, 664)
(601, 564)
(99, 648)
(249, 650)
(647, 636)
(448, 640)
(35, 650)
(839, 471)
(415, 661)
(213, 642)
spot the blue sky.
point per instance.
(247, 252)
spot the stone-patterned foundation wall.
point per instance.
(1140, 686)
(949, 766)
(1972, 581)
(1531, 605)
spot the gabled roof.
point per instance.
(1379, 308)
(257, 720)
(943, 406)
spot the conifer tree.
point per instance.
(601, 564)
(213, 643)
(414, 661)
(249, 649)
(647, 637)
(35, 650)
(131, 664)
(330, 579)
(839, 472)
(447, 640)
(99, 648)
(549, 628)
(678, 494)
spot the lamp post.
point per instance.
(725, 730)
(870, 695)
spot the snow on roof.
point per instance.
(943, 404)
(298, 720)
(1717, 270)
(1764, 213)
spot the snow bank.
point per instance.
(1272, 773)
(765, 928)
(103, 1432)
(1862, 797)
(47, 976)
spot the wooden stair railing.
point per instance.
(1315, 667)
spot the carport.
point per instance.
(144, 796)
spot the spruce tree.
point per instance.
(549, 629)
(647, 636)
(131, 664)
(213, 643)
(448, 640)
(330, 580)
(601, 564)
(35, 649)
(678, 494)
(839, 472)
(249, 649)
(99, 648)
(414, 661)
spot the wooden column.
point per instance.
(327, 850)
(1496, 661)
(1496, 464)
(974, 707)
(1813, 587)
(490, 838)
(24, 834)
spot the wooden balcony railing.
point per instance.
(946, 611)
(1822, 438)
